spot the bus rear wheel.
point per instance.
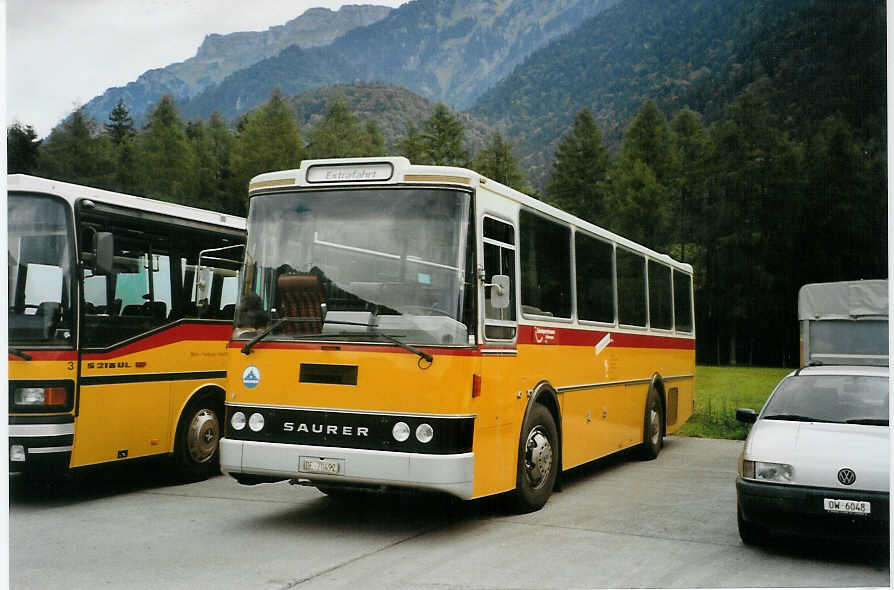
(197, 446)
(538, 460)
(653, 428)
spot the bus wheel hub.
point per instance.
(202, 436)
(538, 457)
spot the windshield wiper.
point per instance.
(257, 338)
(261, 335)
(868, 421)
(19, 353)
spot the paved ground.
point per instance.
(618, 523)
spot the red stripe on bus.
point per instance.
(47, 355)
(172, 335)
(553, 336)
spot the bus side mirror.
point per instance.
(104, 248)
(499, 291)
(204, 279)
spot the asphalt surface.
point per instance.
(617, 523)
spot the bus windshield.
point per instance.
(357, 264)
(40, 264)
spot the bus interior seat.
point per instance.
(132, 309)
(227, 311)
(301, 296)
(157, 309)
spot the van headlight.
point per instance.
(765, 471)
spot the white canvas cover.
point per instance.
(844, 300)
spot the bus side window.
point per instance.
(660, 312)
(631, 288)
(546, 266)
(682, 302)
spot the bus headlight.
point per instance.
(424, 433)
(400, 432)
(237, 421)
(48, 397)
(256, 422)
(39, 396)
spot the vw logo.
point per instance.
(847, 476)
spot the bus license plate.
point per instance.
(846, 506)
(321, 465)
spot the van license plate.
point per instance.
(321, 465)
(846, 506)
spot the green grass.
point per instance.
(720, 390)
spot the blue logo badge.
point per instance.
(251, 376)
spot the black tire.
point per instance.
(538, 460)
(197, 445)
(653, 428)
(750, 533)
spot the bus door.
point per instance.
(124, 405)
(501, 375)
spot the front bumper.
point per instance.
(452, 474)
(798, 510)
(40, 443)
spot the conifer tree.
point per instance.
(411, 145)
(442, 136)
(497, 161)
(268, 139)
(75, 152)
(579, 171)
(338, 135)
(22, 147)
(373, 140)
(166, 159)
(120, 126)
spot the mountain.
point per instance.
(638, 50)
(391, 107)
(221, 55)
(444, 50)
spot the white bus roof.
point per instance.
(75, 192)
(399, 170)
(845, 300)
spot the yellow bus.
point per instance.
(406, 326)
(120, 310)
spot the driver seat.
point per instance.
(301, 296)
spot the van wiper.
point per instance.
(868, 421)
(19, 353)
(795, 418)
(257, 338)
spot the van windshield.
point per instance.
(830, 398)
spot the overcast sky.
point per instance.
(62, 53)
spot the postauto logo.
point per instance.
(251, 377)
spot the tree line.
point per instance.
(756, 212)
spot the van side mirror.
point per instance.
(746, 415)
(104, 249)
(499, 291)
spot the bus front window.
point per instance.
(357, 264)
(40, 265)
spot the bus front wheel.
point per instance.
(538, 460)
(197, 447)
